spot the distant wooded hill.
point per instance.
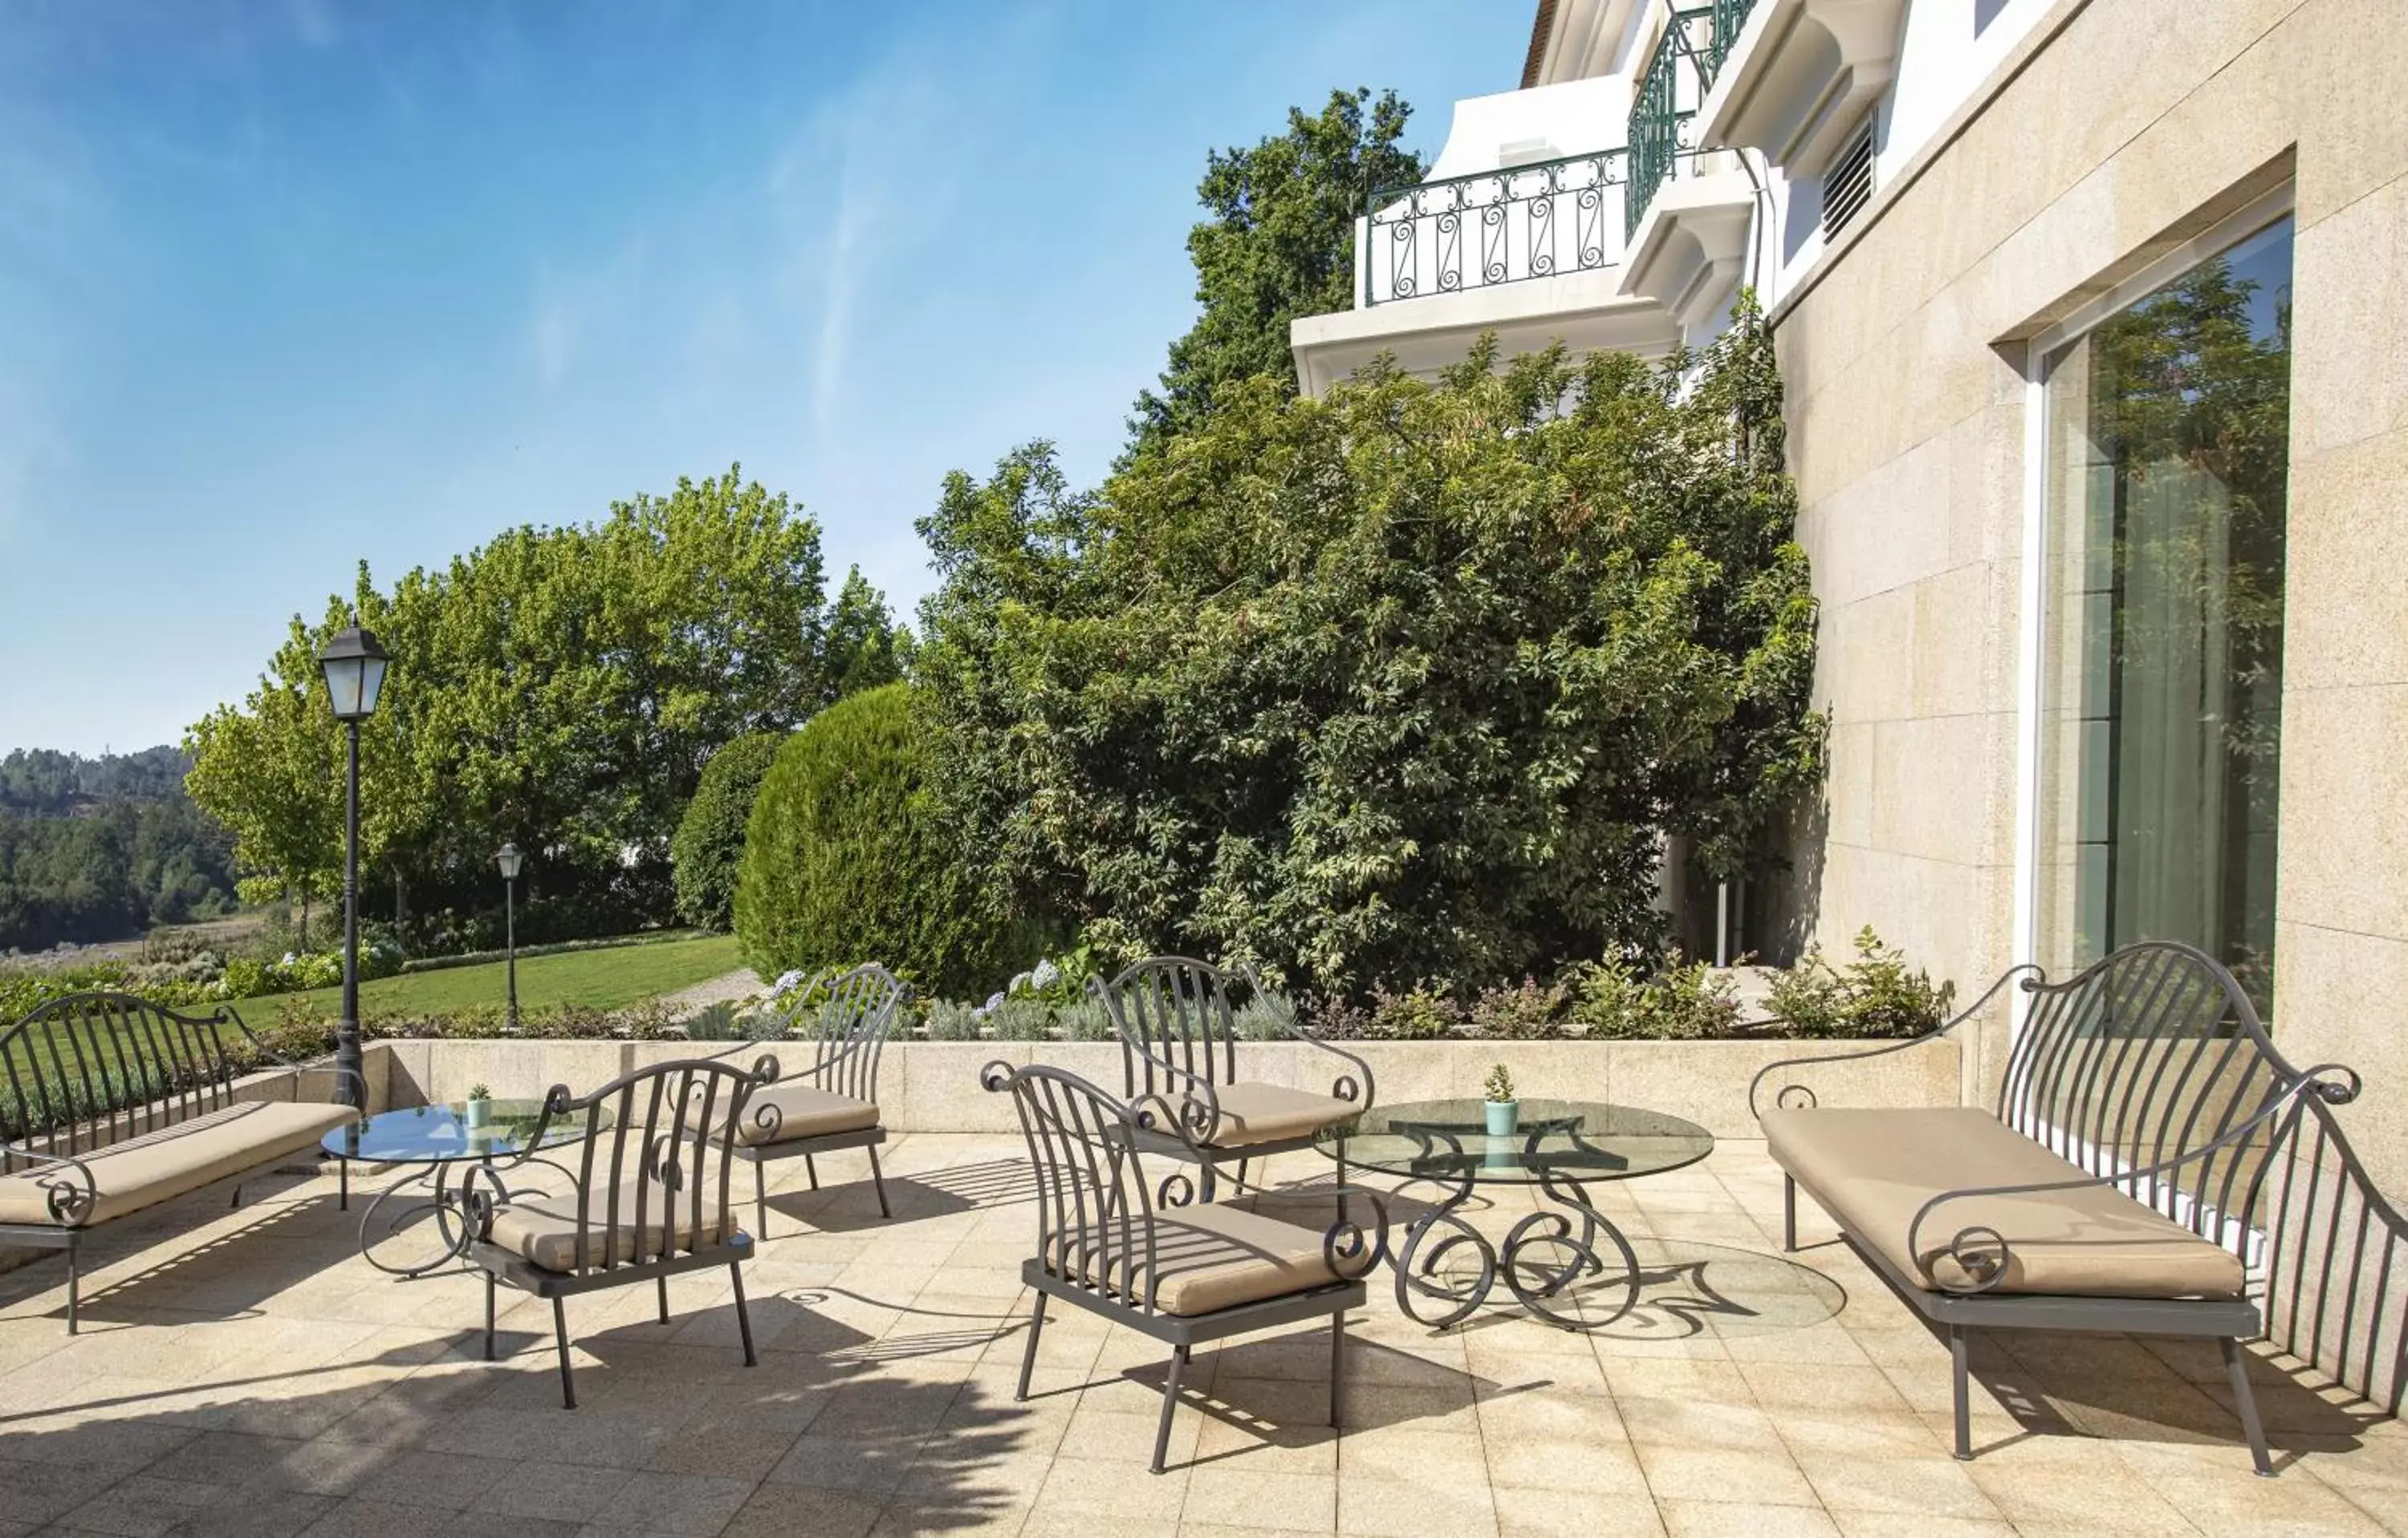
(97, 849)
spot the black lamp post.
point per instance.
(354, 665)
(509, 860)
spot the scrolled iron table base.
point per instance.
(1540, 1284)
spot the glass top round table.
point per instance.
(440, 1134)
(438, 1140)
(1449, 1140)
(1563, 1260)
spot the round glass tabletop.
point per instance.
(439, 1134)
(1579, 1140)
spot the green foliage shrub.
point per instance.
(847, 858)
(1872, 995)
(709, 844)
(1686, 1001)
(1407, 682)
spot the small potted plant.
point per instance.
(1504, 1111)
(480, 1106)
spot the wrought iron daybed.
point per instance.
(2154, 1166)
(110, 1104)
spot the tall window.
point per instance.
(2168, 458)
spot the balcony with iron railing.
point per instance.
(1681, 71)
(1541, 220)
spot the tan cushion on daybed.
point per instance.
(1264, 1113)
(159, 1166)
(1212, 1257)
(780, 1113)
(1874, 1169)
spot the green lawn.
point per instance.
(606, 979)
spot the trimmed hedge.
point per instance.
(709, 842)
(847, 859)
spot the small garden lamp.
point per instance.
(355, 664)
(509, 860)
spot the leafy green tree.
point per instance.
(1280, 243)
(849, 858)
(1409, 681)
(865, 648)
(709, 842)
(559, 688)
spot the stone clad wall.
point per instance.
(2124, 127)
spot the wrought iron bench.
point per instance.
(1154, 1259)
(110, 1104)
(1179, 1059)
(2154, 1166)
(832, 1104)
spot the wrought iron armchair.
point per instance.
(647, 1197)
(1179, 1054)
(1150, 1257)
(833, 1104)
(109, 1104)
(2205, 1170)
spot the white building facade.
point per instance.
(2093, 324)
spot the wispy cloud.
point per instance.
(572, 309)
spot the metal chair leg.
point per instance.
(560, 1332)
(1788, 1213)
(1958, 1359)
(662, 1283)
(343, 1185)
(743, 1315)
(1028, 1356)
(235, 1203)
(2236, 1366)
(1170, 1402)
(1241, 1174)
(812, 1170)
(1336, 1367)
(878, 1181)
(489, 1315)
(74, 1281)
(760, 1199)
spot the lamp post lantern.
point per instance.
(509, 860)
(354, 664)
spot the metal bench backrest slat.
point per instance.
(90, 1070)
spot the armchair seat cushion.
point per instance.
(1874, 1169)
(163, 1164)
(1253, 1114)
(1207, 1257)
(542, 1225)
(781, 1113)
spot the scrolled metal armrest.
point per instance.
(69, 1196)
(228, 1015)
(1192, 1121)
(1805, 1096)
(1357, 1087)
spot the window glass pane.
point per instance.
(2169, 452)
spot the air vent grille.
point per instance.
(1849, 184)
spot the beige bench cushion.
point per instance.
(1262, 1113)
(540, 1226)
(1874, 1170)
(781, 1113)
(159, 1166)
(1212, 1257)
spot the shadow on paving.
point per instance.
(668, 1435)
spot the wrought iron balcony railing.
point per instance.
(1500, 226)
(1679, 74)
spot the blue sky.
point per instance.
(284, 285)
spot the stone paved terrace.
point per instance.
(244, 1371)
